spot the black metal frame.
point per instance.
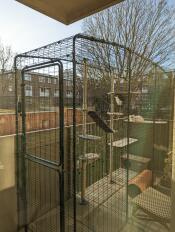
(50, 58)
(57, 167)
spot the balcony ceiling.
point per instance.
(68, 11)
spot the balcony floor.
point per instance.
(105, 211)
(138, 225)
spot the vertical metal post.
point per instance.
(154, 119)
(172, 226)
(84, 103)
(74, 137)
(61, 118)
(112, 127)
(83, 160)
(17, 139)
(23, 153)
(128, 127)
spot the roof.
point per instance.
(68, 11)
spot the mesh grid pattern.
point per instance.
(95, 195)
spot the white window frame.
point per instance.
(55, 81)
(42, 79)
(49, 80)
(28, 92)
(45, 93)
(56, 93)
(10, 88)
(69, 94)
(27, 77)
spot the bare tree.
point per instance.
(6, 62)
(144, 26)
(6, 57)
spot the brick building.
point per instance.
(41, 90)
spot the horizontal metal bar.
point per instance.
(41, 65)
(41, 161)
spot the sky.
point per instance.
(25, 29)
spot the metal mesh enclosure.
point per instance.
(90, 116)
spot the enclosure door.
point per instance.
(40, 162)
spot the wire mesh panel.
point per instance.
(113, 117)
(100, 176)
(40, 154)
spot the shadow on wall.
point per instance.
(8, 217)
(8, 206)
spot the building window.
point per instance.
(68, 82)
(9, 76)
(27, 77)
(10, 88)
(49, 80)
(42, 79)
(28, 90)
(44, 92)
(56, 93)
(29, 100)
(55, 81)
(69, 94)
